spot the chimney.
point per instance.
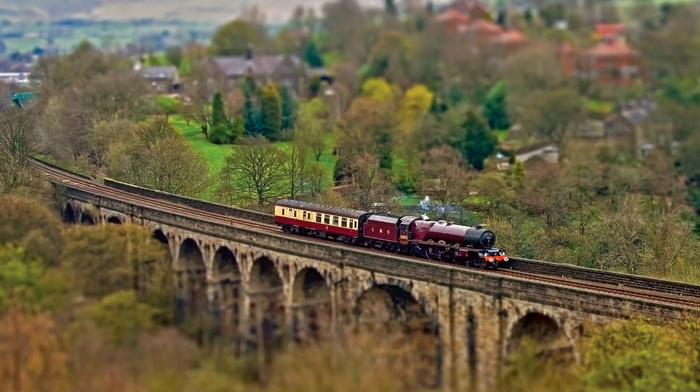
(249, 52)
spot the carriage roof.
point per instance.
(301, 205)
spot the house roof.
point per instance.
(605, 29)
(160, 73)
(481, 25)
(258, 65)
(610, 49)
(511, 36)
(452, 15)
(634, 112)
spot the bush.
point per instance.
(220, 135)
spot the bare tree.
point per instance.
(445, 175)
(254, 172)
(16, 144)
(368, 183)
(295, 168)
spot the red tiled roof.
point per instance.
(512, 36)
(485, 26)
(603, 29)
(452, 15)
(604, 49)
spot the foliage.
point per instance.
(476, 141)
(19, 278)
(156, 156)
(168, 105)
(123, 316)
(233, 38)
(311, 54)
(17, 142)
(113, 258)
(270, 112)
(414, 105)
(32, 354)
(28, 224)
(288, 108)
(252, 173)
(495, 110)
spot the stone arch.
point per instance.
(114, 219)
(266, 311)
(546, 335)
(192, 281)
(160, 236)
(403, 327)
(227, 292)
(69, 214)
(311, 303)
(86, 218)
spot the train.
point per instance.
(408, 235)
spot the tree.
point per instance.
(445, 175)
(550, 114)
(368, 182)
(234, 38)
(270, 112)
(123, 316)
(17, 142)
(495, 110)
(20, 278)
(114, 258)
(32, 355)
(29, 224)
(288, 108)
(414, 105)
(295, 167)
(476, 140)
(155, 155)
(253, 172)
(174, 55)
(218, 115)
(251, 114)
(311, 54)
(309, 130)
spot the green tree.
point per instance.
(550, 114)
(270, 111)
(477, 142)
(234, 38)
(311, 54)
(123, 316)
(113, 258)
(20, 278)
(29, 224)
(495, 110)
(251, 115)
(288, 108)
(218, 115)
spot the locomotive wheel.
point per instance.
(447, 257)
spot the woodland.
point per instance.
(411, 113)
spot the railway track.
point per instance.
(550, 277)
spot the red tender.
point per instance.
(383, 228)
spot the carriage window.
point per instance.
(295, 213)
(344, 222)
(303, 215)
(335, 221)
(318, 218)
(326, 219)
(283, 212)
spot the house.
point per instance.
(636, 127)
(476, 29)
(610, 30)
(284, 69)
(611, 62)
(163, 80)
(474, 9)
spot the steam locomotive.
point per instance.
(409, 235)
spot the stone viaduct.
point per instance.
(457, 326)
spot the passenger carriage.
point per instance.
(315, 219)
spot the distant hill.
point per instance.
(214, 11)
